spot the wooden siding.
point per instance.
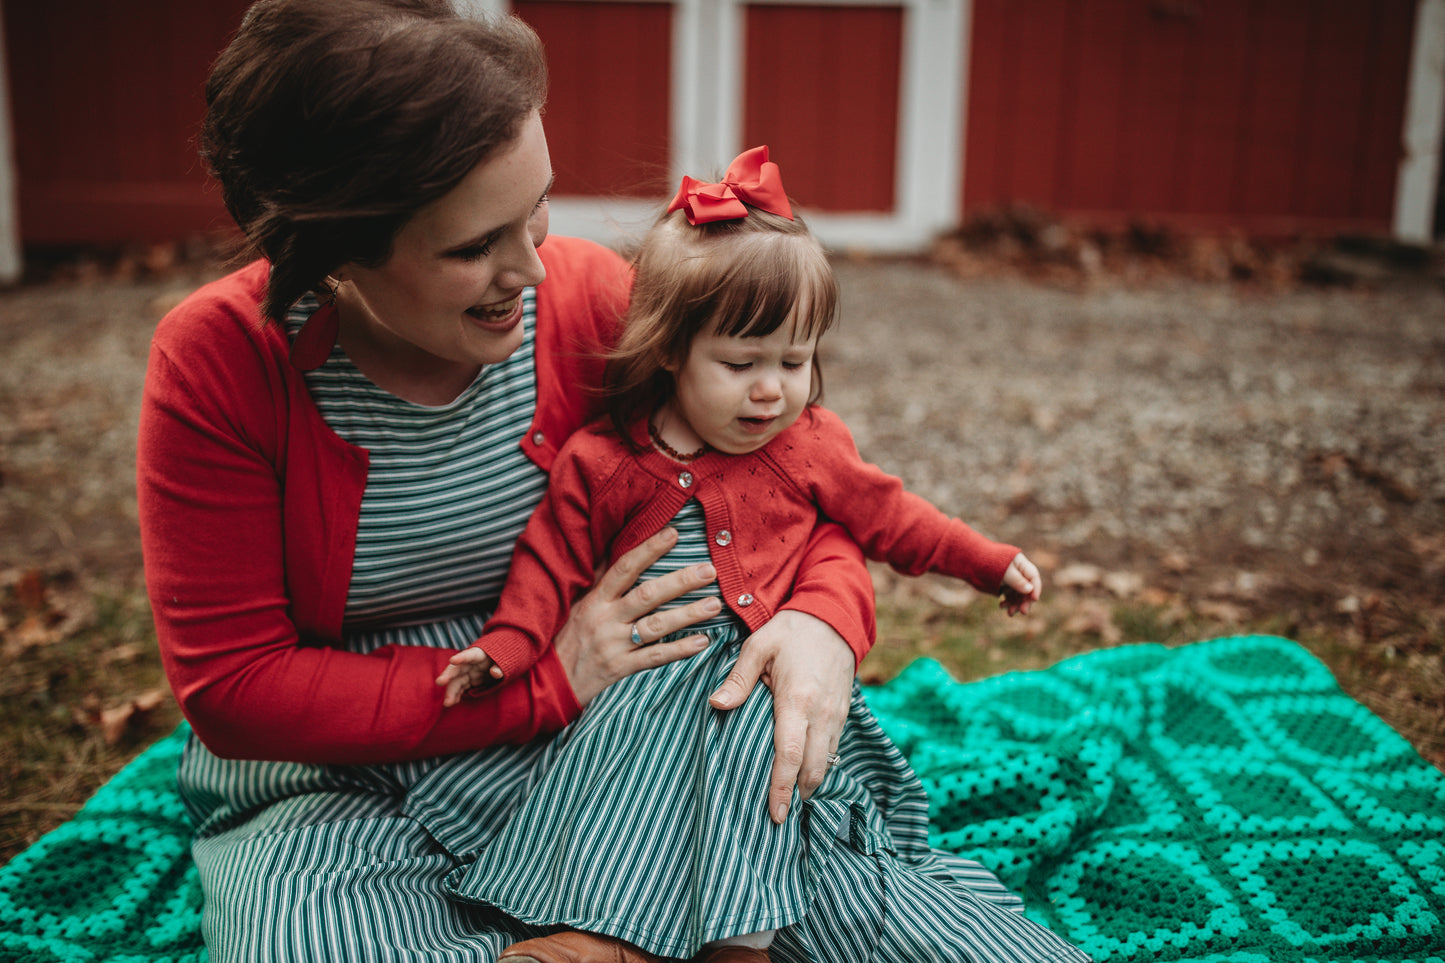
(107, 101)
(821, 90)
(1267, 115)
(607, 113)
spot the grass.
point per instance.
(82, 669)
(76, 667)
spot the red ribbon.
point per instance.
(751, 177)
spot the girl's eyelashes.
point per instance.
(745, 365)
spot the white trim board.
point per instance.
(11, 260)
(1419, 177)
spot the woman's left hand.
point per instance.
(810, 670)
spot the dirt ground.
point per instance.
(1261, 445)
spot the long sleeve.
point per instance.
(833, 584)
(252, 681)
(890, 524)
(554, 563)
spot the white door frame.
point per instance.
(706, 121)
(11, 262)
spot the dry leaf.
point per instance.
(150, 700)
(126, 652)
(1093, 617)
(950, 597)
(1226, 612)
(1160, 597)
(30, 591)
(1045, 559)
(1078, 575)
(1176, 562)
(1124, 584)
(33, 631)
(115, 721)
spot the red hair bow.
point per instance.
(751, 177)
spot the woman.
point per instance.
(339, 445)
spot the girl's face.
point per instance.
(737, 394)
(450, 293)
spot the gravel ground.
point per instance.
(1274, 448)
(1277, 450)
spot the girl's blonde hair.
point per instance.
(740, 278)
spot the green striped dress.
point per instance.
(645, 819)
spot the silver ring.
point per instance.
(833, 759)
(636, 636)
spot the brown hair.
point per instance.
(330, 123)
(740, 278)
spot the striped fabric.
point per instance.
(666, 842)
(691, 549)
(645, 819)
(448, 491)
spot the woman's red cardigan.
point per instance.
(248, 513)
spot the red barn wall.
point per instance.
(106, 103)
(1269, 115)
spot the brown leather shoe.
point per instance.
(732, 954)
(575, 946)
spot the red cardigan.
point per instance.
(603, 499)
(248, 514)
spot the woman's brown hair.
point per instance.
(330, 123)
(741, 278)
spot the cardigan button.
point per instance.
(723, 537)
(538, 437)
(745, 600)
(685, 479)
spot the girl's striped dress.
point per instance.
(645, 819)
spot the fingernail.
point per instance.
(782, 812)
(712, 606)
(705, 570)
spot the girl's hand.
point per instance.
(467, 669)
(810, 670)
(596, 647)
(1022, 586)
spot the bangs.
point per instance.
(776, 280)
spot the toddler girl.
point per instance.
(714, 430)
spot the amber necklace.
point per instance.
(670, 451)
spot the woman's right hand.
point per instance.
(595, 645)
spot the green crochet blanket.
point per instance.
(1222, 801)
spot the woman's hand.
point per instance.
(596, 646)
(810, 670)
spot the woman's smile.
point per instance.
(500, 316)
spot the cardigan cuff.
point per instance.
(510, 650)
